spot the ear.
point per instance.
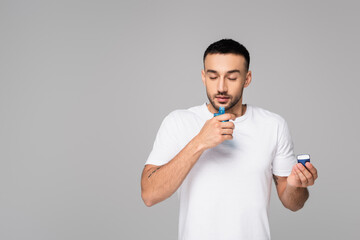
(203, 76)
(247, 79)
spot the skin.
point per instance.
(226, 75)
(223, 75)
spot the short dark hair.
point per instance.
(224, 46)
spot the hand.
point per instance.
(301, 176)
(215, 132)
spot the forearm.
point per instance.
(161, 182)
(294, 198)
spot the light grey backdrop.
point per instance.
(84, 86)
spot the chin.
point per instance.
(223, 104)
(217, 105)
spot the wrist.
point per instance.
(291, 187)
(198, 144)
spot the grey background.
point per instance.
(84, 86)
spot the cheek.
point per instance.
(211, 86)
(234, 88)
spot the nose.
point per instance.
(222, 86)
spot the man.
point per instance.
(222, 171)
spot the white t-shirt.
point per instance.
(226, 194)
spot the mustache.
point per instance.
(222, 96)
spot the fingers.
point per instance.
(312, 169)
(304, 181)
(227, 137)
(226, 131)
(227, 128)
(224, 125)
(230, 125)
(305, 175)
(295, 174)
(225, 116)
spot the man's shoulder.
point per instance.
(195, 111)
(267, 115)
(183, 123)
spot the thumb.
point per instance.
(225, 116)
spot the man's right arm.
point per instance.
(160, 182)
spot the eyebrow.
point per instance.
(231, 71)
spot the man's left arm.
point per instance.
(292, 190)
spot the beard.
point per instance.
(232, 100)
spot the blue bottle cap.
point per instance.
(221, 110)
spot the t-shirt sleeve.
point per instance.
(166, 145)
(284, 158)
